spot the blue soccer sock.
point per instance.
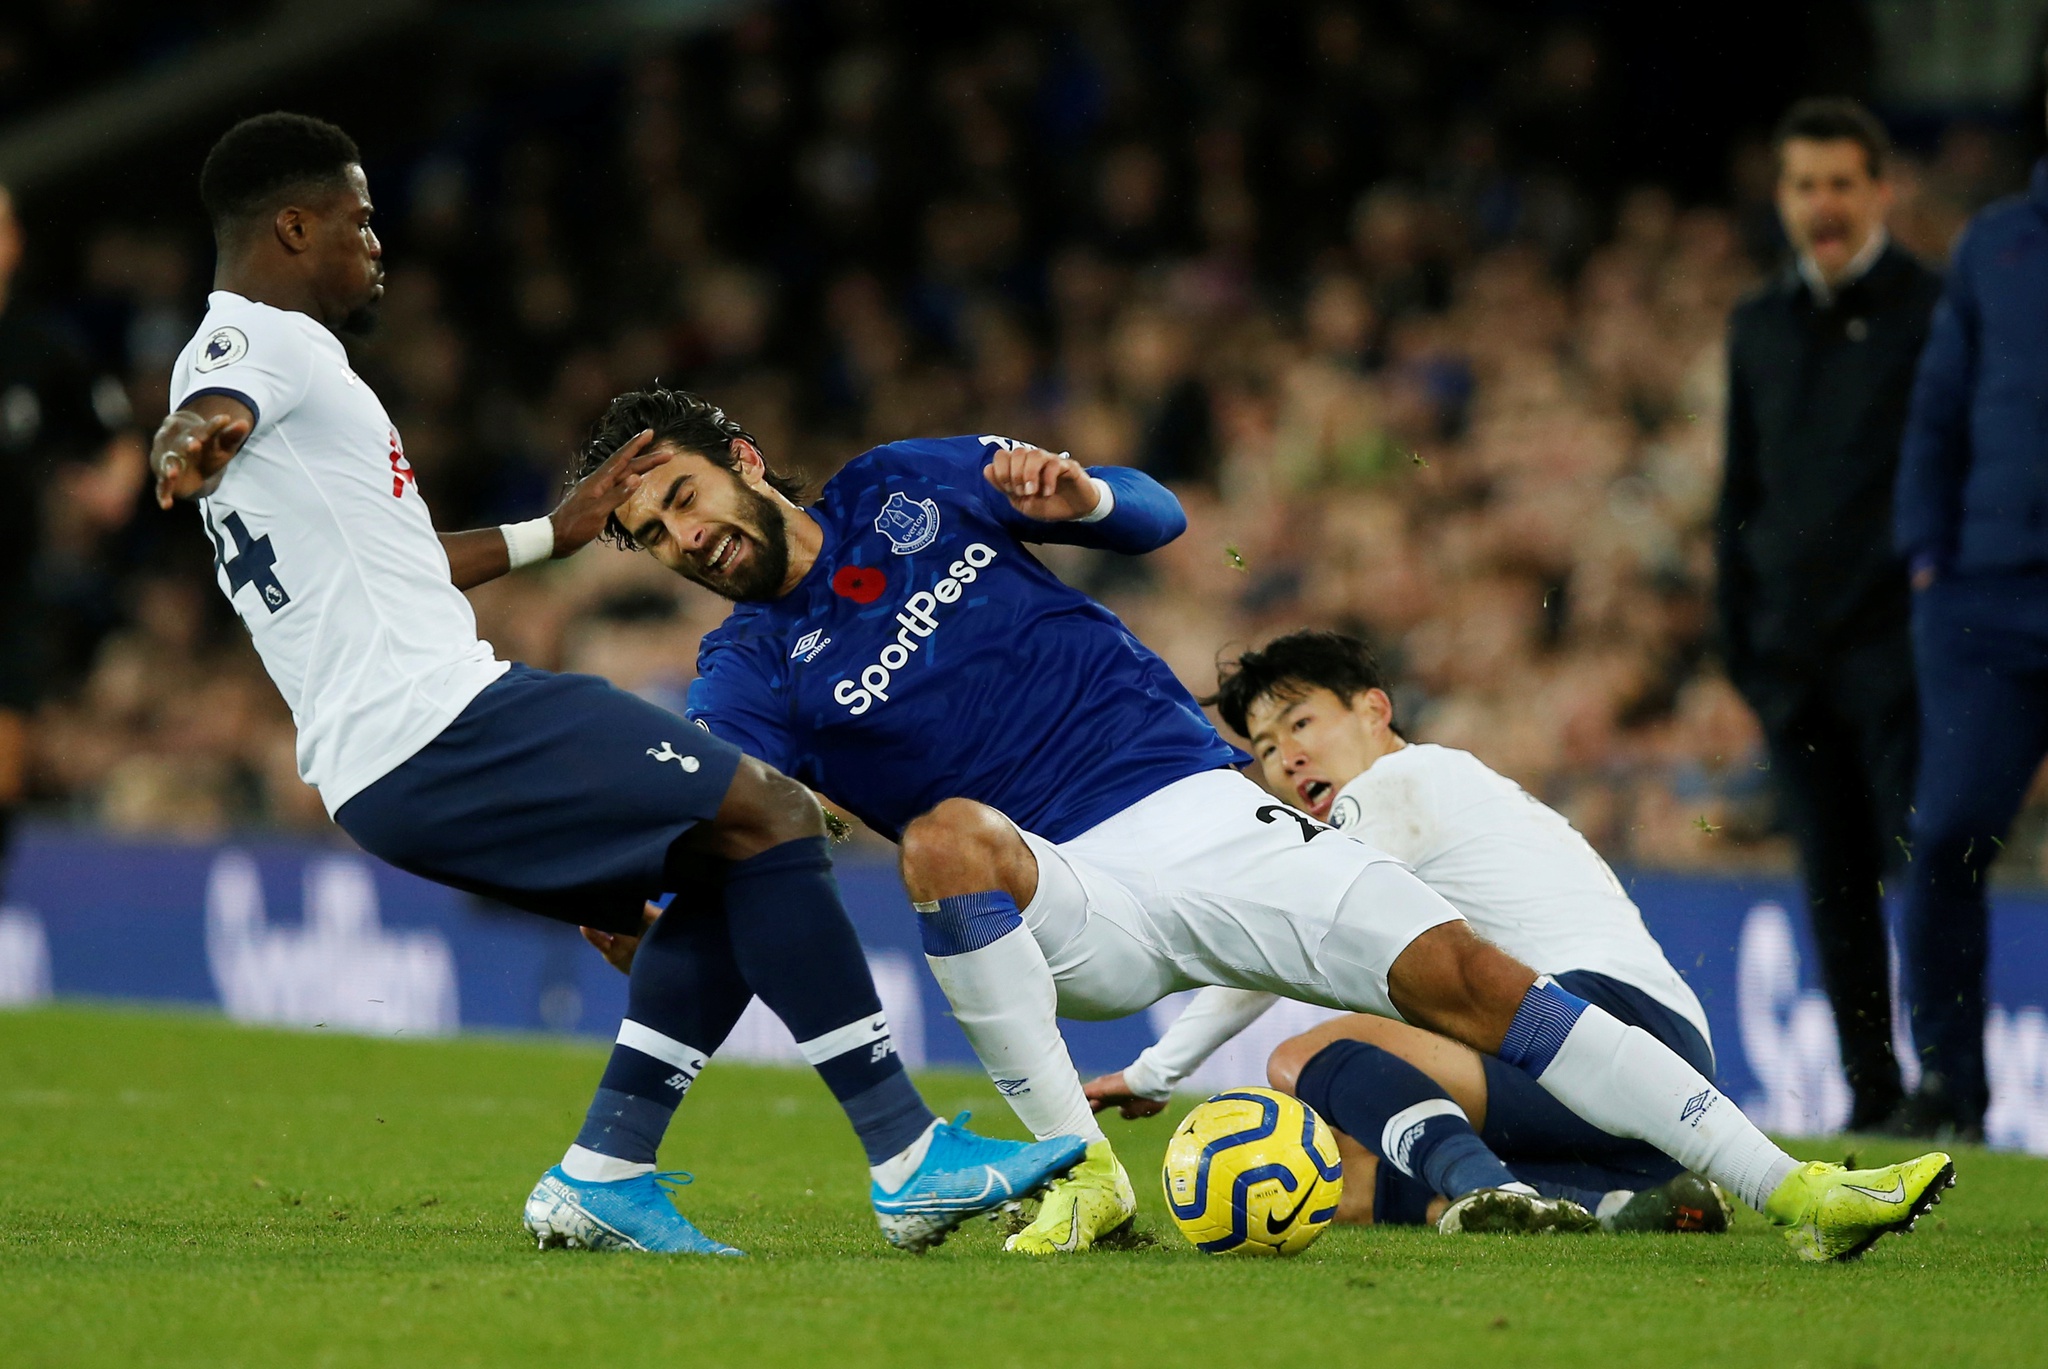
(685, 994)
(793, 942)
(1539, 1027)
(1402, 1115)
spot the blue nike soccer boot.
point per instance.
(963, 1175)
(626, 1214)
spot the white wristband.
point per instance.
(1103, 506)
(528, 542)
(1147, 1080)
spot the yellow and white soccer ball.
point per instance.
(1252, 1172)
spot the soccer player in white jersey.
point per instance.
(555, 793)
(1074, 835)
(1430, 1129)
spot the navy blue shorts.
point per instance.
(559, 794)
(1527, 1127)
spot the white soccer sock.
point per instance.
(1625, 1081)
(892, 1172)
(589, 1167)
(1004, 999)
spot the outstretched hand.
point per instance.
(190, 449)
(616, 947)
(1049, 487)
(1110, 1091)
(582, 514)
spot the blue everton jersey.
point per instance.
(929, 655)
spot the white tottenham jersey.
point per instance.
(323, 544)
(1523, 877)
(1521, 874)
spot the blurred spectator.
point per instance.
(1973, 520)
(72, 467)
(1813, 602)
(1352, 275)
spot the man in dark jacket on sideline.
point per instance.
(1813, 603)
(1973, 524)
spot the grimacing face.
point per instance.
(1828, 200)
(711, 525)
(1310, 744)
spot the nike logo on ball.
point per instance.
(1275, 1228)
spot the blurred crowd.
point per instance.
(1417, 360)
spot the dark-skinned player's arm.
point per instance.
(484, 554)
(1061, 500)
(194, 444)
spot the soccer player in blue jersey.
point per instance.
(1075, 835)
(555, 793)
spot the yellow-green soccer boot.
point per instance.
(1094, 1201)
(1827, 1212)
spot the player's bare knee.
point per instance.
(960, 847)
(1289, 1058)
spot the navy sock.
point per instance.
(685, 994)
(1588, 1198)
(1398, 1200)
(793, 942)
(1400, 1114)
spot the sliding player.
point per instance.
(1075, 834)
(555, 793)
(1429, 1116)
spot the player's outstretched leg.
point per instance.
(1411, 1122)
(797, 950)
(1625, 1081)
(969, 873)
(686, 993)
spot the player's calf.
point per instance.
(1452, 982)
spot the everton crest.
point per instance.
(910, 525)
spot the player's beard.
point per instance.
(760, 578)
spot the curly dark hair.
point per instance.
(1287, 668)
(680, 419)
(263, 161)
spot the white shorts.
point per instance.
(1212, 880)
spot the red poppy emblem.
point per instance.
(862, 584)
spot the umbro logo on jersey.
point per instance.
(809, 645)
(667, 752)
(910, 525)
(224, 347)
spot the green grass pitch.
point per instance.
(175, 1190)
